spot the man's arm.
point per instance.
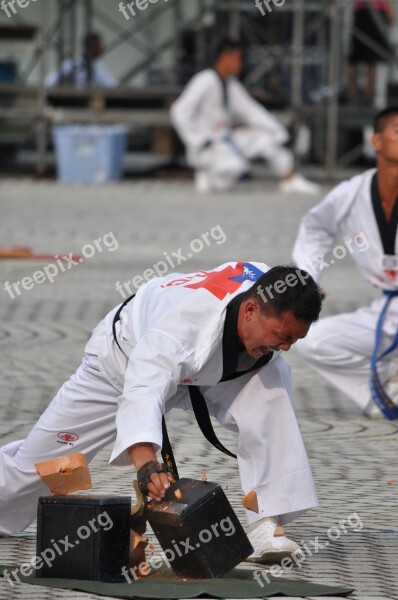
(250, 112)
(319, 229)
(183, 112)
(152, 376)
(389, 11)
(140, 454)
(103, 76)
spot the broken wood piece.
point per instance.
(137, 550)
(66, 474)
(279, 531)
(177, 494)
(250, 501)
(204, 476)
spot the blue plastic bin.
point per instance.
(89, 154)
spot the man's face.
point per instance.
(232, 62)
(386, 142)
(261, 334)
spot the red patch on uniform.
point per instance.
(66, 436)
(219, 283)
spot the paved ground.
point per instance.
(43, 333)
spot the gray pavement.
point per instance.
(43, 331)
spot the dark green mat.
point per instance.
(238, 584)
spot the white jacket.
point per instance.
(346, 213)
(201, 115)
(171, 334)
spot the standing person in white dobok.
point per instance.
(214, 331)
(364, 208)
(224, 128)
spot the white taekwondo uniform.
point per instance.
(223, 129)
(176, 332)
(340, 347)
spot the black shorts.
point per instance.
(360, 52)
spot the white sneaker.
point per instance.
(299, 185)
(202, 184)
(372, 411)
(267, 547)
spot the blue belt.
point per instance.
(379, 395)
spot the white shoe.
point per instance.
(372, 411)
(267, 547)
(299, 185)
(202, 184)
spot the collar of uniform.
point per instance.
(224, 89)
(387, 229)
(231, 344)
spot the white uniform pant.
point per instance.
(225, 161)
(271, 454)
(340, 349)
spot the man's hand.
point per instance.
(142, 454)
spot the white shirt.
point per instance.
(346, 212)
(76, 69)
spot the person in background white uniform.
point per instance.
(215, 330)
(224, 128)
(363, 212)
(84, 70)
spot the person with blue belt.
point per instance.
(358, 351)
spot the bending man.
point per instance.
(216, 330)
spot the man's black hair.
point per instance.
(383, 118)
(295, 292)
(227, 45)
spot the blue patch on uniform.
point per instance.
(250, 273)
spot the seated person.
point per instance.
(204, 116)
(84, 70)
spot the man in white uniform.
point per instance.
(224, 128)
(364, 213)
(215, 330)
(83, 70)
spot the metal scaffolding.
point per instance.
(294, 52)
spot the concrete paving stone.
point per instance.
(43, 332)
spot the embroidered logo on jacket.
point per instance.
(221, 283)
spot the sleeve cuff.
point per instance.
(120, 456)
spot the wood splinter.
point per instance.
(250, 501)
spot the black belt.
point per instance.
(199, 406)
